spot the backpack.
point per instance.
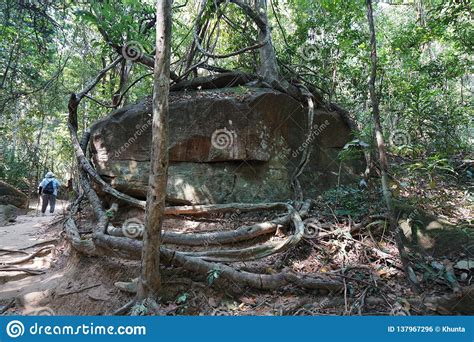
(49, 188)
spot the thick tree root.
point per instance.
(85, 165)
(72, 234)
(31, 271)
(129, 248)
(102, 244)
(243, 233)
(255, 252)
(258, 281)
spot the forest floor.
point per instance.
(57, 280)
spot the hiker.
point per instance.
(48, 190)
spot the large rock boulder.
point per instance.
(226, 145)
(8, 213)
(13, 196)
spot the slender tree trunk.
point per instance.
(376, 110)
(192, 50)
(384, 167)
(268, 61)
(36, 158)
(125, 68)
(150, 280)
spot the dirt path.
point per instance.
(28, 229)
(28, 235)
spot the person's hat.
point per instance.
(49, 175)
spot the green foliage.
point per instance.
(353, 150)
(182, 298)
(434, 164)
(212, 275)
(348, 201)
(13, 170)
(49, 50)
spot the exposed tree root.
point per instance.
(129, 248)
(31, 271)
(242, 233)
(222, 208)
(307, 150)
(196, 265)
(78, 290)
(103, 244)
(72, 234)
(31, 256)
(255, 252)
(228, 79)
(5, 251)
(86, 166)
(258, 281)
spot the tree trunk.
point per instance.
(387, 195)
(150, 281)
(117, 97)
(268, 62)
(376, 111)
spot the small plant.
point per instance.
(241, 90)
(353, 150)
(212, 275)
(432, 166)
(182, 298)
(347, 201)
(147, 307)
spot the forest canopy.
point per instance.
(50, 49)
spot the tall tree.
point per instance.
(268, 61)
(384, 166)
(150, 280)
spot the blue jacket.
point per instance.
(46, 181)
